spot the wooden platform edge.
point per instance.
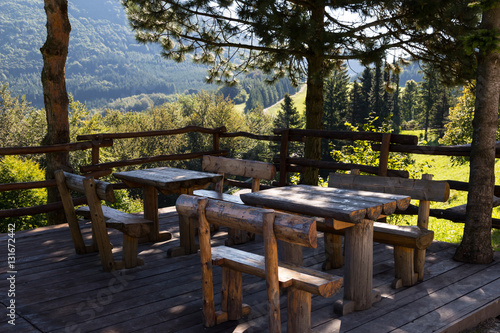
(476, 317)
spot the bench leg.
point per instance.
(334, 255)
(420, 263)
(130, 259)
(299, 311)
(232, 293)
(404, 267)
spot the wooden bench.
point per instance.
(133, 227)
(410, 242)
(300, 282)
(255, 170)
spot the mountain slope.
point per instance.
(104, 60)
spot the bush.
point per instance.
(16, 170)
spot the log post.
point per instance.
(384, 154)
(422, 222)
(272, 281)
(209, 318)
(358, 293)
(298, 311)
(283, 156)
(95, 152)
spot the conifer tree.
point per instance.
(336, 106)
(376, 94)
(409, 101)
(289, 117)
(299, 39)
(396, 109)
(365, 105)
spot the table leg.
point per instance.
(150, 199)
(358, 271)
(186, 233)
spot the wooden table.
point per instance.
(168, 181)
(353, 210)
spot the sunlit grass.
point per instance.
(299, 101)
(442, 168)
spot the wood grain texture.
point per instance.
(418, 189)
(339, 204)
(239, 167)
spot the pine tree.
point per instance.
(409, 101)
(355, 105)
(336, 105)
(376, 94)
(289, 117)
(396, 109)
(364, 98)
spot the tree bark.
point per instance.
(476, 244)
(54, 53)
(314, 97)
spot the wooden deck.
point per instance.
(59, 291)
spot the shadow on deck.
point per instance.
(59, 291)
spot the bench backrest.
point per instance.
(418, 189)
(95, 191)
(256, 170)
(74, 182)
(291, 228)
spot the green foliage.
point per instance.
(20, 123)
(459, 129)
(361, 152)
(459, 126)
(484, 40)
(126, 203)
(16, 170)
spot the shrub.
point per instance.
(15, 170)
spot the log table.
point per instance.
(350, 209)
(168, 181)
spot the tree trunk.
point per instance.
(476, 244)
(314, 118)
(314, 97)
(55, 96)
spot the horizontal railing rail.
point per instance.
(383, 142)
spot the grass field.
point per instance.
(299, 101)
(442, 168)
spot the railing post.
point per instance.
(95, 152)
(283, 156)
(384, 154)
(216, 141)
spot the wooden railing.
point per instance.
(383, 142)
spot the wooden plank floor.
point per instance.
(59, 291)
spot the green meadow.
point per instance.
(443, 168)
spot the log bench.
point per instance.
(410, 242)
(300, 282)
(133, 227)
(255, 170)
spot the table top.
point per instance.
(329, 202)
(165, 178)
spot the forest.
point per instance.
(105, 62)
(107, 68)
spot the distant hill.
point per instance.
(104, 60)
(105, 65)
(409, 72)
